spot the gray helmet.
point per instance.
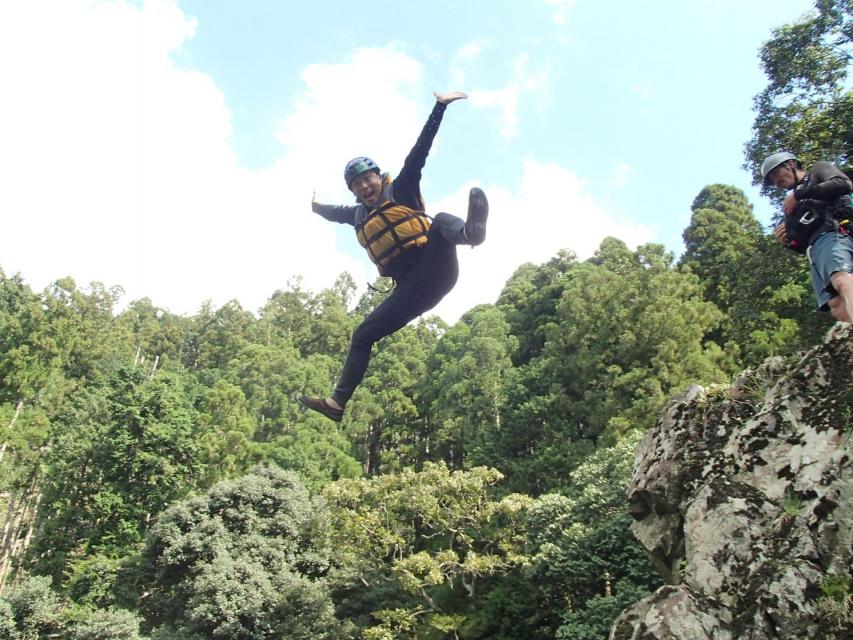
(357, 166)
(774, 160)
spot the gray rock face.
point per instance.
(743, 497)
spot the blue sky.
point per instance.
(172, 147)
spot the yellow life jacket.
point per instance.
(391, 228)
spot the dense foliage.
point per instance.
(160, 480)
(159, 476)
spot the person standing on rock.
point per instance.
(417, 251)
(818, 217)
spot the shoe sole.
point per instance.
(478, 215)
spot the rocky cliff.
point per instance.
(743, 497)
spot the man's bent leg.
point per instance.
(478, 214)
(437, 271)
(451, 228)
(472, 230)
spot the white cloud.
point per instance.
(620, 175)
(340, 115)
(561, 10)
(505, 100)
(468, 51)
(551, 210)
(116, 165)
(643, 91)
(524, 84)
(461, 61)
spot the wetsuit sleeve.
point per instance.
(407, 185)
(826, 183)
(336, 213)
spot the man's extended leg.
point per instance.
(392, 314)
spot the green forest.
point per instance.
(159, 478)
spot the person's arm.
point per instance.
(407, 183)
(344, 214)
(828, 184)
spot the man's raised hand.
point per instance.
(447, 98)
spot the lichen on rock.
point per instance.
(743, 498)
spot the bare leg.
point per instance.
(841, 306)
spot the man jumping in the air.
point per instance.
(419, 253)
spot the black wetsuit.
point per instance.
(423, 275)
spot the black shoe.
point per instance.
(321, 406)
(478, 213)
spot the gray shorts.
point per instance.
(830, 253)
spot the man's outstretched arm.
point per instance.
(407, 182)
(344, 214)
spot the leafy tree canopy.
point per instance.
(241, 562)
(807, 106)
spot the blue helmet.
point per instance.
(357, 166)
(774, 160)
